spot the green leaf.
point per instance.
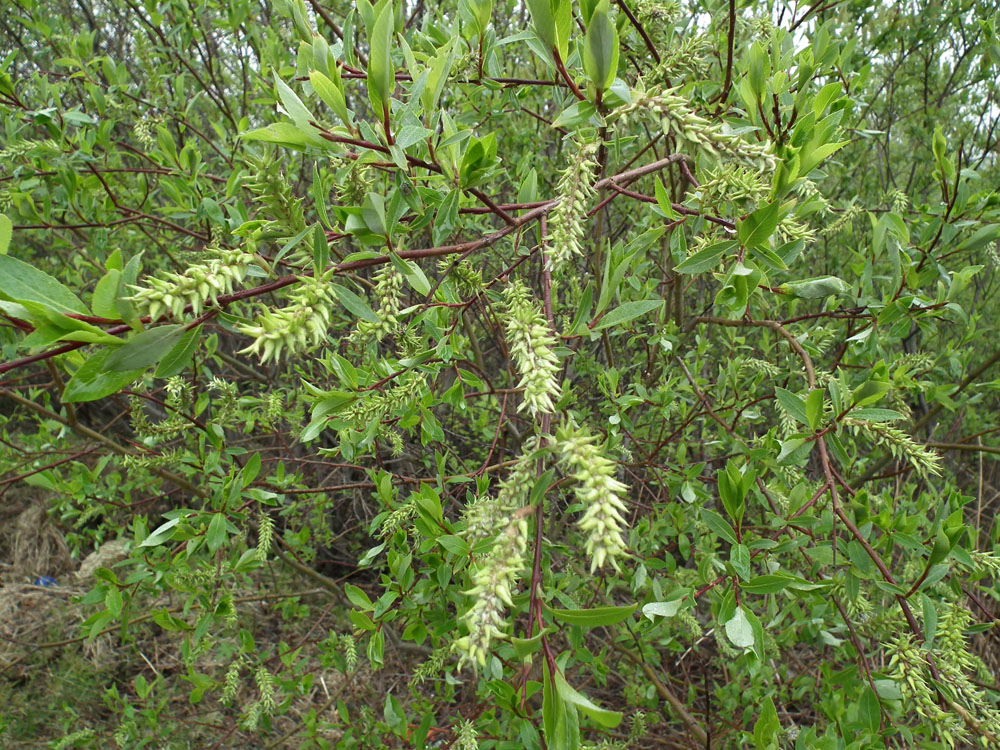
(168, 622)
(331, 95)
(814, 408)
(719, 525)
(869, 711)
(757, 228)
(354, 304)
(525, 647)
(104, 303)
(180, 355)
(281, 133)
(663, 200)
(812, 156)
(767, 728)
(706, 259)
(767, 584)
(604, 717)
(293, 106)
(381, 76)
(215, 537)
(739, 631)
(95, 380)
(600, 48)
(793, 450)
(869, 392)
(821, 286)
(576, 114)
(674, 603)
(592, 618)
(559, 717)
(626, 312)
(982, 237)
(358, 598)
(413, 274)
(543, 19)
(6, 232)
(20, 282)
(456, 545)
(161, 534)
(113, 601)
(145, 349)
(794, 405)
(321, 250)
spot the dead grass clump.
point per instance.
(37, 546)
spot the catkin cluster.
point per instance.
(493, 583)
(531, 345)
(680, 122)
(900, 445)
(600, 493)
(388, 290)
(173, 292)
(296, 326)
(575, 189)
(486, 514)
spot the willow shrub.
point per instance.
(595, 340)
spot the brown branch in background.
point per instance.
(567, 77)
(724, 94)
(642, 32)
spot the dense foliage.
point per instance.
(479, 374)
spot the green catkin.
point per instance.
(493, 579)
(532, 348)
(297, 326)
(567, 220)
(600, 493)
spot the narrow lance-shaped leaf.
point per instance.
(600, 48)
(543, 19)
(380, 72)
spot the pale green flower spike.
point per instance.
(600, 493)
(388, 290)
(486, 513)
(172, 292)
(687, 127)
(297, 326)
(493, 583)
(566, 222)
(531, 345)
(467, 738)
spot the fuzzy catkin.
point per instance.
(575, 189)
(600, 493)
(493, 584)
(531, 345)
(300, 324)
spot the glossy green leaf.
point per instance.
(381, 76)
(6, 232)
(706, 259)
(600, 47)
(180, 355)
(626, 312)
(354, 304)
(594, 617)
(20, 282)
(604, 717)
(95, 380)
(104, 304)
(215, 537)
(757, 228)
(331, 95)
(145, 349)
